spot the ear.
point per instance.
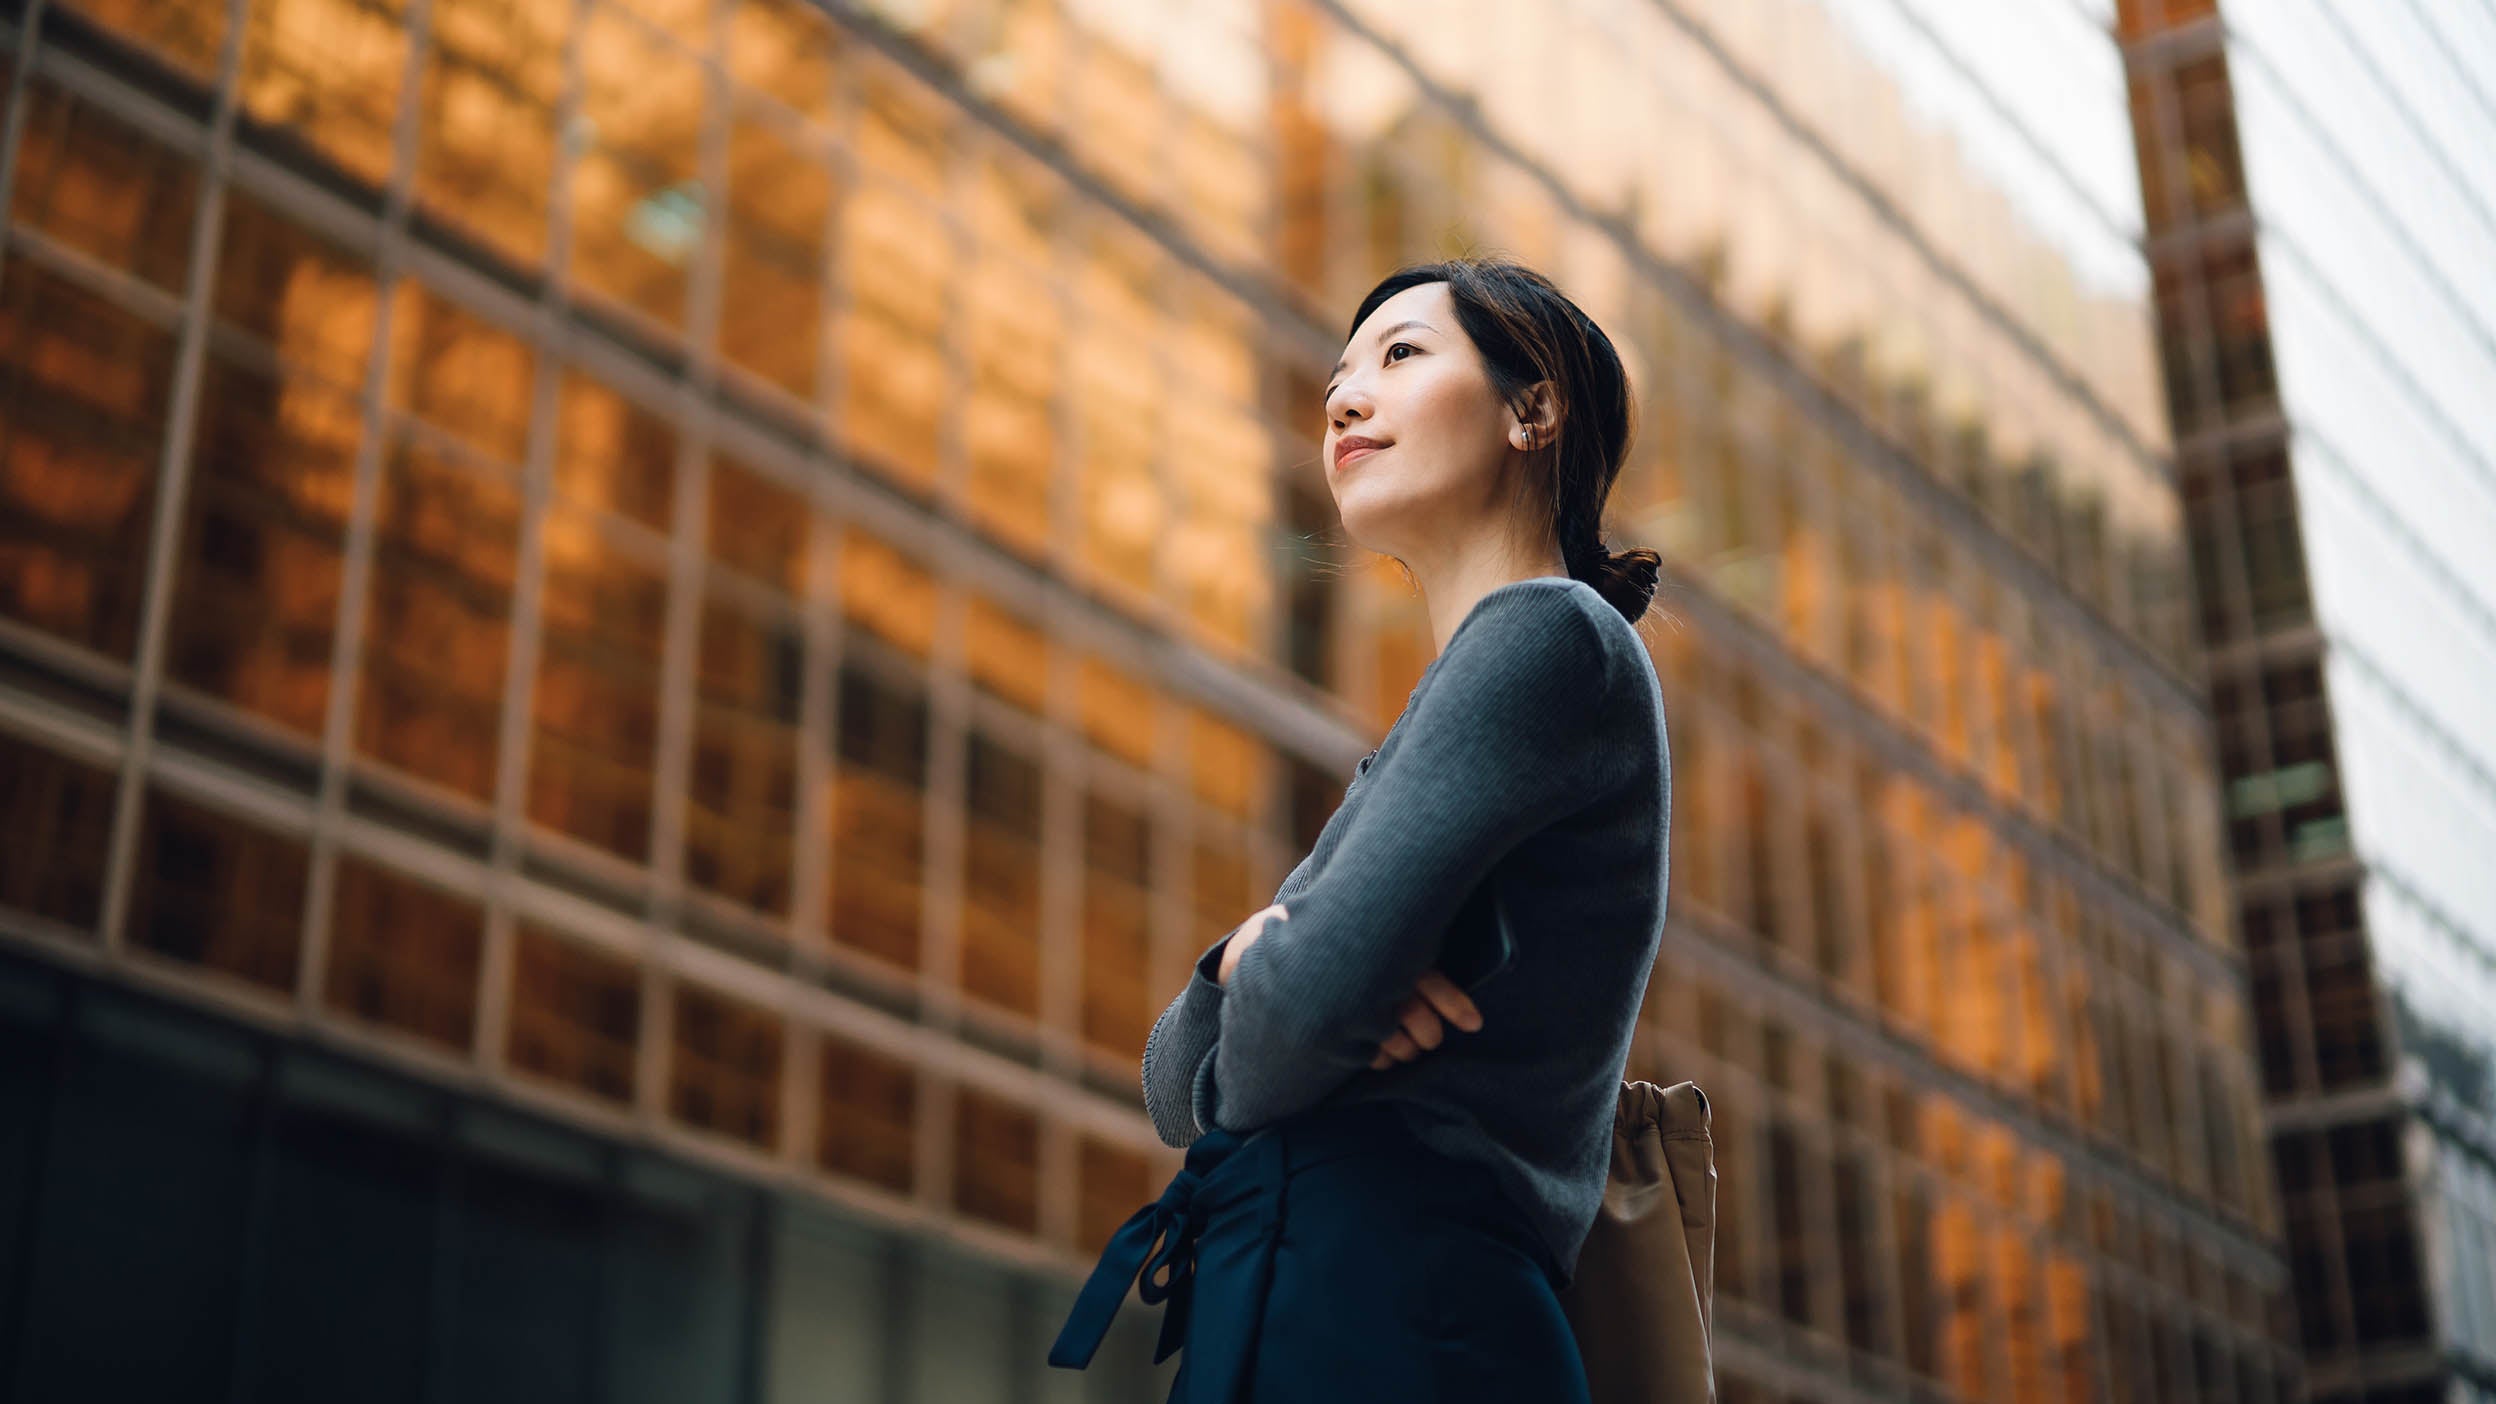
(1538, 417)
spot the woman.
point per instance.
(1370, 1208)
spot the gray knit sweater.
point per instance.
(1510, 830)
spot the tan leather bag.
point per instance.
(1642, 1300)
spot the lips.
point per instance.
(1353, 446)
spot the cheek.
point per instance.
(1449, 409)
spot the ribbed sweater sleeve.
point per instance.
(1493, 751)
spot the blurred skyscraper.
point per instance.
(2321, 187)
(638, 638)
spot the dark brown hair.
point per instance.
(1528, 331)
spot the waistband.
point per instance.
(1154, 1251)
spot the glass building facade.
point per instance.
(2319, 186)
(639, 638)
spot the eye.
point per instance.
(1400, 346)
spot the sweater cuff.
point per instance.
(1201, 1099)
(1204, 988)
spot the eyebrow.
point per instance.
(1406, 325)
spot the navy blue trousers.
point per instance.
(1333, 1256)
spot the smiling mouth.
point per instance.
(1347, 456)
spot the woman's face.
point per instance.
(1415, 435)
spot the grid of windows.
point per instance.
(687, 520)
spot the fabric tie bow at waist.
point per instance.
(1157, 1240)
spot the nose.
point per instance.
(1349, 403)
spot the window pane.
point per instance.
(1115, 1184)
(741, 799)
(772, 295)
(896, 381)
(329, 69)
(612, 455)
(93, 182)
(309, 300)
(272, 473)
(445, 543)
(575, 1015)
(996, 1155)
(1118, 1010)
(785, 48)
(82, 406)
(486, 135)
(186, 32)
(888, 594)
(759, 527)
(637, 203)
(1009, 655)
(1229, 767)
(459, 372)
(879, 794)
(870, 1115)
(215, 891)
(597, 693)
(726, 1073)
(404, 954)
(1001, 878)
(59, 814)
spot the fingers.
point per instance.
(1435, 998)
(1399, 1048)
(1451, 1002)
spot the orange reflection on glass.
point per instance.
(887, 593)
(1001, 876)
(741, 800)
(329, 69)
(1120, 712)
(759, 527)
(1958, 1256)
(772, 279)
(272, 472)
(1222, 886)
(613, 455)
(486, 139)
(726, 1072)
(784, 48)
(1016, 57)
(996, 1157)
(1229, 766)
(187, 32)
(575, 1014)
(218, 892)
(1115, 367)
(404, 954)
(878, 809)
(1113, 1182)
(82, 406)
(897, 385)
(1010, 423)
(310, 300)
(1118, 1009)
(96, 184)
(446, 541)
(870, 1115)
(638, 206)
(1008, 654)
(457, 371)
(1119, 117)
(595, 703)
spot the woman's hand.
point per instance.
(1242, 937)
(1435, 997)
